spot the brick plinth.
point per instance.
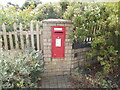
(61, 65)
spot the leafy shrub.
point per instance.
(101, 22)
(20, 69)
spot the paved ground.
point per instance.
(56, 81)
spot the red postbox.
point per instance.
(58, 41)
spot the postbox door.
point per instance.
(58, 41)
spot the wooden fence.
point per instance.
(21, 39)
(94, 29)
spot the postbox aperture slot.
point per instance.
(58, 32)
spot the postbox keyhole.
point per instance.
(58, 37)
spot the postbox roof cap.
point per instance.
(56, 21)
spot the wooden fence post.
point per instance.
(38, 40)
(5, 37)
(0, 42)
(27, 41)
(41, 39)
(15, 34)
(21, 37)
(32, 34)
(11, 40)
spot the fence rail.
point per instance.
(19, 39)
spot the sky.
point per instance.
(20, 2)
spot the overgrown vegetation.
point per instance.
(31, 10)
(100, 22)
(20, 69)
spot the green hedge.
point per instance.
(20, 69)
